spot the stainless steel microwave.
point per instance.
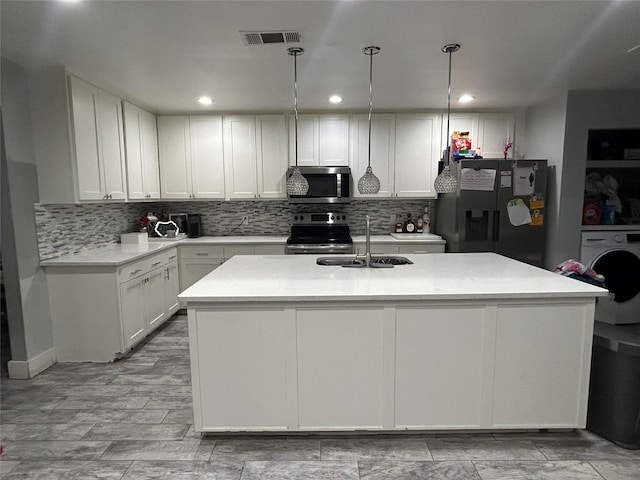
(326, 185)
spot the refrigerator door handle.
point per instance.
(496, 225)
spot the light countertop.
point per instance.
(111, 256)
(438, 276)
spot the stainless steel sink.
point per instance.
(391, 260)
(376, 262)
(339, 261)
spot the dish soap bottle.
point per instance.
(409, 227)
(426, 221)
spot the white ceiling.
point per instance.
(165, 54)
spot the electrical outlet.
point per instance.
(245, 219)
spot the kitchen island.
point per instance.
(453, 341)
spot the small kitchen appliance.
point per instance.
(314, 233)
(326, 185)
(194, 225)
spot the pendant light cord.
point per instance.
(370, 101)
(450, 48)
(449, 113)
(371, 51)
(295, 51)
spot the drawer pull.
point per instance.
(172, 257)
(136, 271)
(202, 254)
(155, 264)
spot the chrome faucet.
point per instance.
(367, 244)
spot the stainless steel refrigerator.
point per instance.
(499, 206)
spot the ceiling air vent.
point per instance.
(265, 38)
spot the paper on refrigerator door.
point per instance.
(519, 213)
(483, 179)
(524, 181)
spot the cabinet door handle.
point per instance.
(202, 254)
(166, 273)
(155, 264)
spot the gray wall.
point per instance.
(30, 322)
(558, 129)
(545, 139)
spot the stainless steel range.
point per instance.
(319, 233)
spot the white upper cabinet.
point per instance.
(141, 145)
(174, 153)
(417, 154)
(323, 140)
(240, 156)
(255, 151)
(272, 154)
(207, 161)
(383, 129)
(99, 142)
(494, 129)
(191, 157)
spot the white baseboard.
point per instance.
(26, 369)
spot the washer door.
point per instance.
(621, 270)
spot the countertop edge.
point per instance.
(568, 296)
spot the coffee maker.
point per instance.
(194, 225)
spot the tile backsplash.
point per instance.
(64, 229)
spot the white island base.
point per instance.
(455, 341)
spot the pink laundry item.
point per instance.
(575, 266)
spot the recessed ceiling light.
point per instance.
(205, 101)
(466, 98)
(335, 98)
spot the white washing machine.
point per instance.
(616, 255)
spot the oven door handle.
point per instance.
(318, 248)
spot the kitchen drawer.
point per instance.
(421, 248)
(269, 250)
(231, 250)
(202, 251)
(167, 256)
(135, 269)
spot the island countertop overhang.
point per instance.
(432, 277)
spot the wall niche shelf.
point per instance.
(613, 163)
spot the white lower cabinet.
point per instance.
(341, 368)
(467, 364)
(100, 312)
(196, 261)
(386, 248)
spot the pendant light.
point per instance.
(296, 183)
(369, 183)
(446, 182)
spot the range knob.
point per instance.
(332, 217)
(618, 238)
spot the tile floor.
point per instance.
(132, 420)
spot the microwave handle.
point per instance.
(339, 185)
